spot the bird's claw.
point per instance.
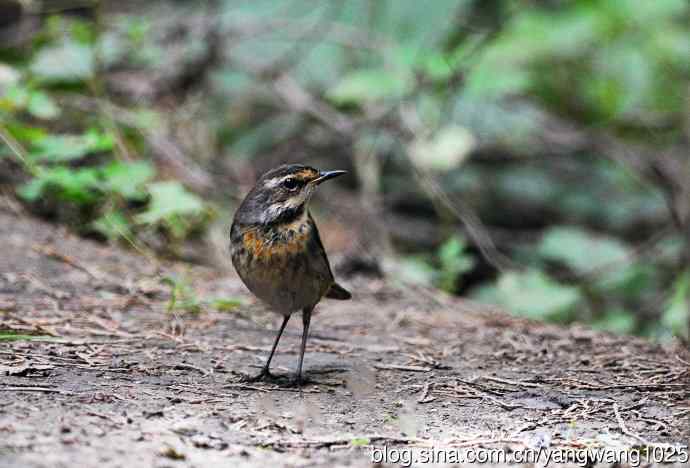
(300, 381)
(296, 381)
(280, 380)
(263, 376)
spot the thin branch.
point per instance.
(18, 151)
(625, 429)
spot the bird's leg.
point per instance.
(265, 374)
(306, 318)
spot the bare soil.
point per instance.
(110, 378)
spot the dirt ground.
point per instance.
(111, 378)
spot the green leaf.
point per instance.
(527, 183)
(360, 442)
(63, 148)
(25, 133)
(128, 179)
(9, 76)
(15, 97)
(624, 80)
(646, 12)
(113, 225)
(68, 61)
(532, 294)
(370, 85)
(182, 295)
(677, 314)
(172, 205)
(32, 190)
(445, 150)
(454, 262)
(415, 270)
(417, 24)
(75, 185)
(42, 106)
(225, 304)
(82, 30)
(81, 185)
(617, 321)
(585, 253)
(493, 81)
(111, 48)
(12, 336)
(438, 66)
(146, 119)
(38, 103)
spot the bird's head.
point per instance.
(281, 194)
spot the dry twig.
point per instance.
(625, 429)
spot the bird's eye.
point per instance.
(290, 184)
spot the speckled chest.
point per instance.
(282, 265)
(270, 245)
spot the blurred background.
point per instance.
(530, 154)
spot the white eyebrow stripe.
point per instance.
(277, 181)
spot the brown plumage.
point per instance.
(277, 251)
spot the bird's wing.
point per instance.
(335, 291)
(322, 265)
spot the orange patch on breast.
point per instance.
(253, 243)
(263, 250)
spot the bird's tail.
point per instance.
(338, 292)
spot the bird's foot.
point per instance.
(299, 381)
(295, 382)
(263, 376)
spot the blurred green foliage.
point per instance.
(184, 299)
(73, 158)
(533, 294)
(443, 269)
(6, 335)
(621, 66)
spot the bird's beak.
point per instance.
(325, 175)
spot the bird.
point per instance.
(277, 251)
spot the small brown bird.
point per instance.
(277, 251)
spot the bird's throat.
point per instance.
(276, 242)
(288, 215)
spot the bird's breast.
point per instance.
(276, 243)
(279, 265)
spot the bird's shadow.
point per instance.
(289, 380)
